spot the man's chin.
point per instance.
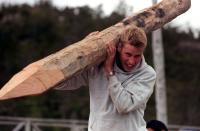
(128, 69)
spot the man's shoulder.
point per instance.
(149, 71)
(146, 68)
(95, 70)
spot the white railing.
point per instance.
(183, 128)
(36, 124)
(39, 124)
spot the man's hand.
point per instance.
(110, 58)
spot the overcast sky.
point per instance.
(189, 19)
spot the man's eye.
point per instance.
(137, 56)
(127, 54)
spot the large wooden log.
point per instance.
(54, 69)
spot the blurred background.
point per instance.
(31, 30)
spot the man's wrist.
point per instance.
(111, 73)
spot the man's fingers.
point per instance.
(110, 49)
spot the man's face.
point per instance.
(129, 56)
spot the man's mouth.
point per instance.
(130, 66)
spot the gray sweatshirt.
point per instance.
(117, 103)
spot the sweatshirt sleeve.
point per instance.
(134, 95)
(75, 82)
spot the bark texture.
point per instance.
(54, 69)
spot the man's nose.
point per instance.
(131, 61)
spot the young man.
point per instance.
(120, 87)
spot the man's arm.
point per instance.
(134, 95)
(75, 82)
(109, 62)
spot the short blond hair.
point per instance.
(135, 36)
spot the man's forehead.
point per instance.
(128, 46)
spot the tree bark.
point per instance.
(54, 69)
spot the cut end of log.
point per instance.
(31, 80)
